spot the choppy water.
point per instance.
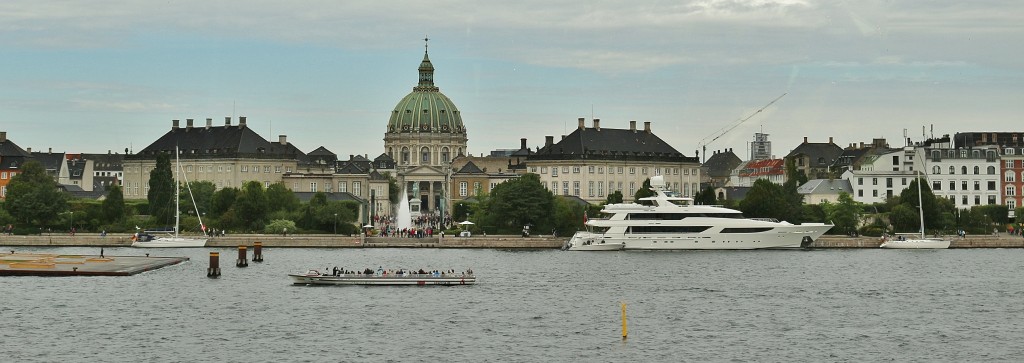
(532, 306)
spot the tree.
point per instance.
(33, 197)
(614, 198)
(280, 198)
(161, 190)
(393, 191)
(765, 200)
(519, 202)
(223, 200)
(644, 192)
(251, 206)
(845, 214)
(705, 197)
(202, 193)
(113, 206)
(932, 215)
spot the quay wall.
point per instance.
(533, 242)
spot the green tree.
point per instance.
(202, 193)
(251, 207)
(113, 206)
(932, 214)
(280, 198)
(765, 200)
(705, 197)
(161, 190)
(279, 226)
(644, 192)
(518, 202)
(222, 200)
(393, 191)
(614, 198)
(904, 219)
(845, 214)
(33, 197)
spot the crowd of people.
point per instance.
(381, 272)
(423, 226)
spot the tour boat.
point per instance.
(314, 277)
(671, 222)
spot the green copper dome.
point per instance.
(426, 109)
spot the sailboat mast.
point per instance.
(920, 206)
(177, 190)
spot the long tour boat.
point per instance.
(666, 221)
(382, 277)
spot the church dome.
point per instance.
(426, 109)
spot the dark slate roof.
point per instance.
(470, 168)
(384, 162)
(611, 144)
(353, 168)
(219, 142)
(321, 151)
(76, 168)
(12, 156)
(721, 164)
(50, 161)
(105, 162)
(821, 154)
(734, 193)
(374, 175)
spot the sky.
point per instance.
(106, 75)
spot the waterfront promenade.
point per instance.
(500, 241)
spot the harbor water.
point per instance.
(837, 305)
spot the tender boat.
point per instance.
(671, 222)
(314, 277)
(586, 241)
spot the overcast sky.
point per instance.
(92, 76)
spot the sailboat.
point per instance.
(175, 240)
(917, 242)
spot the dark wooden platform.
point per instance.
(45, 264)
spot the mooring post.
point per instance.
(243, 260)
(257, 252)
(624, 321)
(214, 270)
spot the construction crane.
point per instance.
(725, 130)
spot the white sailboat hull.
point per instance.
(165, 242)
(916, 243)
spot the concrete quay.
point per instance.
(499, 241)
(46, 264)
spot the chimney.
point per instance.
(597, 124)
(830, 140)
(861, 144)
(26, 149)
(50, 150)
(283, 139)
(582, 126)
(188, 123)
(632, 125)
(805, 139)
(647, 127)
(174, 124)
(563, 138)
(108, 152)
(549, 140)
(3, 136)
(522, 143)
(227, 120)
(241, 121)
(209, 123)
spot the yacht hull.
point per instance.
(780, 237)
(915, 244)
(168, 242)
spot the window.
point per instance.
(904, 181)
(977, 200)
(632, 188)
(620, 170)
(952, 185)
(575, 169)
(977, 185)
(600, 170)
(977, 170)
(343, 186)
(446, 156)
(991, 185)
(189, 168)
(860, 181)
(554, 172)
(405, 156)
(3, 175)
(544, 170)
(463, 189)
(565, 188)
(874, 181)
(590, 169)
(936, 170)
(896, 160)
(565, 170)
(554, 187)
(936, 185)
(425, 155)
(963, 185)
(590, 188)
(874, 193)
(1011, 191)
(600, 188)
(888, 182)
(1009, 176)
(860, 193)
(1011, 204)
(312, 187)
(952, 170)
(533, 169)
(576, 188)
(357, 187)
(991, 170)
(963, 200)
(657, 171)
(1008, 151)
(476, 188)
(643, 171)
(632, 170)
(963, 170)
(1008, 164)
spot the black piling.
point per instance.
(257, 252)
(214, 270)
(243, 260)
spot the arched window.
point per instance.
(963, 170)
(460, 152)
(936, 170)
(425, 155)
(405, 156)
(952, 170)
(1010, 191)
(1010, 176)
(991, 170)
(977, 170)
(445, 156)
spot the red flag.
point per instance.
(584, 217)
(203, 226)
